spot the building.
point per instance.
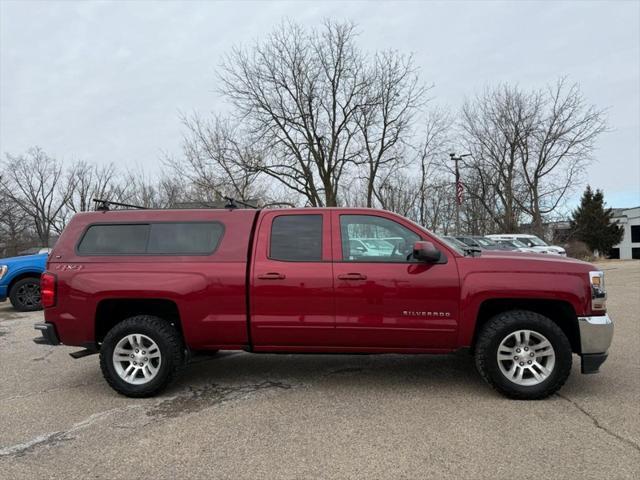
(629, 220)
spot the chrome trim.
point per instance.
(596, 334)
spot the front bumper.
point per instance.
(596, 334)
(49, 334)
(3, 293)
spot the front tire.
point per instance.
(25, 295)
(523, 355)
(141, 355)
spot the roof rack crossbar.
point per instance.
(232, 203)
(103, 205)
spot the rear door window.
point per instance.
(296, 238)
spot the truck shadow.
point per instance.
(233, 376)
(455, 373)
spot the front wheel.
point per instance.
(25, 295)
(523, 355)
(140, 356)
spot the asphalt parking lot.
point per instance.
(238, 415)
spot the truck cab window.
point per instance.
(368, 238)
(296, 238)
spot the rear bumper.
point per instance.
(596, 334)
(49, 334)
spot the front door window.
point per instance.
(368, 238)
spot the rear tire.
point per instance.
(523, 355)
(25, 295)
(126, 364)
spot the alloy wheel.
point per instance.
(28, 295)
(526, 357)
(137, 359)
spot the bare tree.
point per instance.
(218, 160)
(558, 150)
(35, 182)
(495, 125)
(528, 149)
(137, 188)
(393, 96)
(399, 193)
(431, 152)
(14, 226)
(89, 182)
(300, 93)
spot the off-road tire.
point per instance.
(163, 334)
(497, 328)
(17, 292)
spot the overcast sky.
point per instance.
(106, 81)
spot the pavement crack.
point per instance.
(54, 438)
(599, 425)
(43, 357)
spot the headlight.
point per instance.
(3, 270)
(598, 292)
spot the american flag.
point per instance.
(459, 186)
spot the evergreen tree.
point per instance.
(591, 223)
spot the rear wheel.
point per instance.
(523, 355)
(25, 295)
(141, 355)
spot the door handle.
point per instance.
(272, 276)
(352, 276)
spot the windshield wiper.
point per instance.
(472, 251)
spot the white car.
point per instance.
(532, 242)
(516, 245)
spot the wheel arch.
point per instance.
(560, 312)
(22, 276)
(110, 312)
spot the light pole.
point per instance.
(458, 187)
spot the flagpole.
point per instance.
(458, 187)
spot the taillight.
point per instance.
(598, 292)
(48, 289)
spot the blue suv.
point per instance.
(20, 281)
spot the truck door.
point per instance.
(291, 292)
(384, 297)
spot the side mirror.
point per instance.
(426, 252)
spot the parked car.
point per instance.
(480, 242)
(34, 251)
(20, 281)
(531, 241)
(516, 245)
(368, 247)
(145, 288)
(455, 243)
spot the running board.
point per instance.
(83, 353)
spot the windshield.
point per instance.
(456, 244)
(485, 242)
(517, 243)
(535, 241)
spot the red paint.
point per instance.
(324, 306)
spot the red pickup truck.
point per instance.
(147, 288)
